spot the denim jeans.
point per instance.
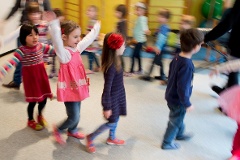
(112, 130)
(17, 76)
(73, 113)
(136, 54)
(175, 126)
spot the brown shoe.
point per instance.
(12, 84)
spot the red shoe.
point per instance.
(89, 145)
(58, 136)
(115, 142)
(42, 121)
(77, 135)
(34, 125)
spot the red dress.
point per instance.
(35, 79)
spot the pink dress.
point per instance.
(229, 101)
(72, 81)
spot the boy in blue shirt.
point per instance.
(162, 35)
(179, 87)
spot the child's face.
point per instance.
(34, 17)
(91, 13)
(140, 11)
(184, 26)
(118, 14)
(162, 19)
(121, 50)
(32, 39)
(73, 38)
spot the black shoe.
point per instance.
(170, 146)
(147, 78)
(161, 78)
(12, 84)
(184, 137)
(217, 89)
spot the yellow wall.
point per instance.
(57, 4)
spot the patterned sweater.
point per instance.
(24, 55)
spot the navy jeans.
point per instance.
(175, 126)
(17, 76)
(136, 54)
(73, 113)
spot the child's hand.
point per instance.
(189, 109)
(107, 114)
(48, 16)
(157, 51)
(148, 32)
(213, 72)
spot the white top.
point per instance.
(61, 50)
(230, 66)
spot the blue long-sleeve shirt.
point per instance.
(179, 87)
(162, 36)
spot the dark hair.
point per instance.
(26, 30)
(123, 9)
(58, 12)
(190, 38)
(165, 13)
(33, 7)
(68, 26)
(109, 56)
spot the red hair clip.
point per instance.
(115, 41)
(62, 30)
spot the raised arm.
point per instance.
(55, 32)
(7, 39)
(14, 9)
(89, 38)
(230, 66)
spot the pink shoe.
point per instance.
(89, 145)
(77, 135)
(58, 136)
(115, 142)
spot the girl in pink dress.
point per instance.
(72, 86)
(35, 79)
(229, 101)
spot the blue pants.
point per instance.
(175, 126)
(17, 76)
(91, 58)
(112, 130)
(136, 54)
(73, 113)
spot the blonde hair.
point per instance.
(68, 26)
(188, 19)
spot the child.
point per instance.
(113, 97)
(179, 87)
(61, 18)
(162, 35)
(72, 87)
(139, 34)
(35, 79)
(230, 104)
(121, 13)
(34, 15)
(94, 47)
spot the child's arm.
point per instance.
(12, 36)
(11, 63)
(55, 32)
(48, 50)
(144, 23)
(106, 96)
(184, 85)
(89, 38)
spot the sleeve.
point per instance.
(11, 63)
(47, 5)
(89, 38)
(184, 85)
(55, 32)
(230, 66)
(106, 96)
(144, 22)
(48, 50)
(225, 25)
(14, 9)
(12, 36)
(162, 38)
